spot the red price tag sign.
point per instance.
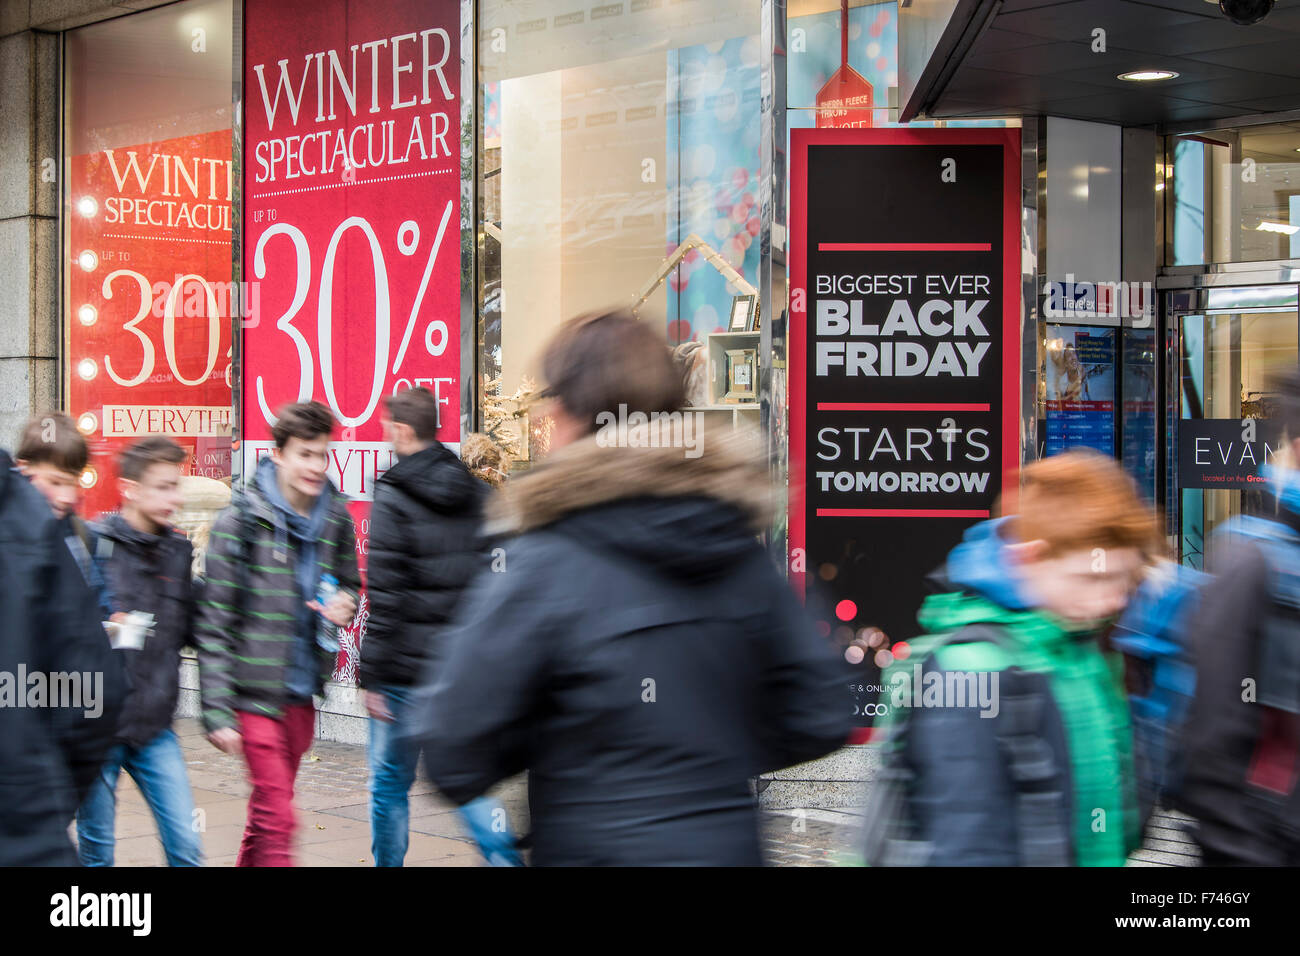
(351, 221)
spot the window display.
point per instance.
(148, 296)
(619, 160)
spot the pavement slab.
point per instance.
(334, 818)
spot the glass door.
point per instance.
(1223, 347)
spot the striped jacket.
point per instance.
(246, 639)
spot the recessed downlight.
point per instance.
(1147, 76)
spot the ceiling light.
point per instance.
(1146, 76)
(1281, 227)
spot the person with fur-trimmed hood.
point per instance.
(633, 648)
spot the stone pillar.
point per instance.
(29, 227)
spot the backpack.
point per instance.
(890, 833)
(1277, 673)
(1153, 635)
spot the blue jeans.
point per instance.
(158, 769)
(392, 771)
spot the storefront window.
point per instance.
(147, 236)
(1227, 353)
(1236, 195)
(619, 165)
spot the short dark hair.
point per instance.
(305, 421)
(138, 457)
(597, 362)
(52, 439)
(415, 407)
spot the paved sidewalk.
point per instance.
(334, 817)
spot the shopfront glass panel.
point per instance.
(619, 167)
(147, 237)
(1224, 434)
(1235, 195)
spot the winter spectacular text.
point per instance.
(388, 73)
(371, 144)
(934, 318)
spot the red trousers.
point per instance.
(273, 748)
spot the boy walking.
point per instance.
(147, 563)
(281, 579)
(52, 456)
(1008, 739)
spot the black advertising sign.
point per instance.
(904, 357)
(1225, 452)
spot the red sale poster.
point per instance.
(149, 302)
(351, 225)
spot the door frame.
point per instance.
(1203, 294)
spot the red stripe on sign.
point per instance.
(901, 407)
(904, 247)
(862, 735)
(898, 513)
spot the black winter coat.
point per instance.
(425, 547)
(640, 656)
(150, 572)
(49, 756)
(1237, 821)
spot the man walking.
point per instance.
(281, 577)
(425, 546)
(147, 562)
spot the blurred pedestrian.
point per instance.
(147, 563)
(50, 749)
(53, 455)
(1243, 733)
(633, 648)
(1007, 739)
(425, 547)
(281, 579)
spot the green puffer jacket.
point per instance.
(1058, 723)
(248, 617)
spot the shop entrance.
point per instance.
(1222, 347)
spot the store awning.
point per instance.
(1064, 57)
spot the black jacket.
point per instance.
(640, 656)
(150, 572)
(49, 756)
(1237, 820)
(425, 547)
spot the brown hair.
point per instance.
(52, 438)
(154, 450)
(415, 407)
(1081, 500)
(597, 362)
(302, 420)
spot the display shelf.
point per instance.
(733, 415)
